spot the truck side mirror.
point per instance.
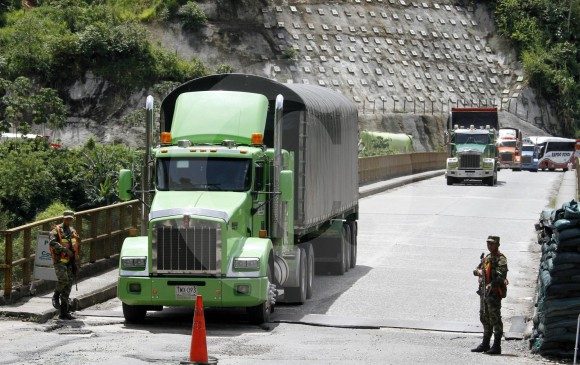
(287, 185)
(125, 185)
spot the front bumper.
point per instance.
(509, 165)
(216, 292)
(469, 174)
(530, 166)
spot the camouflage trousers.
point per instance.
(490, 316)
(65, 279)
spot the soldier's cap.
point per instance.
(493, 239)
(68, 214)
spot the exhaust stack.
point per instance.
(145, 179)
(277, 226)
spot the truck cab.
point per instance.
(509, 145)
(473, 156)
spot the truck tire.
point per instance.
(348, 236)
(450, 180)
(298, 294)
(310, 269)
(565, 169)
(353, 243)
(261, 313)
(134, 314)
(489, 181)
(340, 267)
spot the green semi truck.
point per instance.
(470, 138)
(255, 187)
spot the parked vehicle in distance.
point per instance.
(555, 153)
(509, 145)
(529, 157)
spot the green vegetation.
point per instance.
(58, 41)
(371, 145)
(22, 103)
(544, 33)
(33, 176)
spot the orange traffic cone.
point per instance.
(198, 351)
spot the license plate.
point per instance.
(185, 292)
(470, 172)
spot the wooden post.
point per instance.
(26, 255)
(94, 233)
(108, 241)
(8, 266)
(79, 228)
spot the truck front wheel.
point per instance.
(450, 180)
(134, 313)
(261, 313)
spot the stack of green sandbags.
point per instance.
(558, 296)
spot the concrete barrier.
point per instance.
(378, 168)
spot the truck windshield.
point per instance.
(507, 144)
(528, 148)
(462, 138)
(203, 174)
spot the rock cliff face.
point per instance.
(403, 63)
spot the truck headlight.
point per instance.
(247, 263)
(488, 163)
(452, 162)
(133, 263)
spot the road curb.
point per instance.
(366, 191)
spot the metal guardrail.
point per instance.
(376, 168)
(102, 230)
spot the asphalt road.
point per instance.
(418, 245)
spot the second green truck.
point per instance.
(471, 137)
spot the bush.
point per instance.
(191, 16)
(80, 178)
(224, 69)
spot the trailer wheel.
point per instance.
(298, 294)
(261, 313)
(340, 267)
(310, 269)
(134, 314)
(353, 243)
(348, 242)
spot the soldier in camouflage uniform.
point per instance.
(64, 247)
(493, 272)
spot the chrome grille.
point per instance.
(469, 161)
(191, 249)
(526, 159)
(506, 156)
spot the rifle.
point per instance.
(481, 290)
(73, 260)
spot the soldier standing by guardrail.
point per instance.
(64, 247)
(492, 273)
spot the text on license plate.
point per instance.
(185, 292)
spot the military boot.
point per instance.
(484, 345)
(56, 300)
(64, 313)
(496, 347)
